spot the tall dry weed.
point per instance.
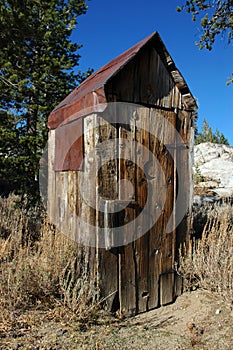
(210, 264)
(40, 271)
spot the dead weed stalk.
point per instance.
(42, 271)
(210, 264)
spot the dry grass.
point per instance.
(210, 264)
(48, 301)
(42, 268)
(39, 271)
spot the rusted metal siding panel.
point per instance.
(69, 146)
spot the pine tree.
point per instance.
(37, 70)
(207, 135)
(216, 18)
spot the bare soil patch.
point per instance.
(197, 320)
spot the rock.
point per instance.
(215, 163)
(203, 200)
(215, 166)
(190, 325)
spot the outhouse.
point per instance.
(119, 176)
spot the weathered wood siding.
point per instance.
(140, 275)
(137, 276)
(154, 86)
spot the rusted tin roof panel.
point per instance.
(94, 101)
(101, 76)
(91, 91)
(90, 95)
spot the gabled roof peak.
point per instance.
(91, 91)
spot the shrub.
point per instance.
(197, 177)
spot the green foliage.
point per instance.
(37, 61)
(230, 80)
(216, 18)
(197, 177)
(207, 135)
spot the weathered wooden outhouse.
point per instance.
(119, 180)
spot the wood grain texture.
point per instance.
(131, 157)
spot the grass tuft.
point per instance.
(40, 271)
(210, 264)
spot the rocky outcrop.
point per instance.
(213, 183)
(214, 167)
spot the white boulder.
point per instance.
(215, 163)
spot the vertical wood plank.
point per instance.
(169, 238)
(127, 258)
(107, 189)
(157, 231)
(51, 201)
(88, 212)
(142, 195)
(185, 164)
(162, 244)
(184, 160)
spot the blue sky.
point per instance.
(109, 28)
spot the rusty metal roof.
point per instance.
(90, 95)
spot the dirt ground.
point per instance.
(197, 320)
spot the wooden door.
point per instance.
(138, 274)
(146, 275)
